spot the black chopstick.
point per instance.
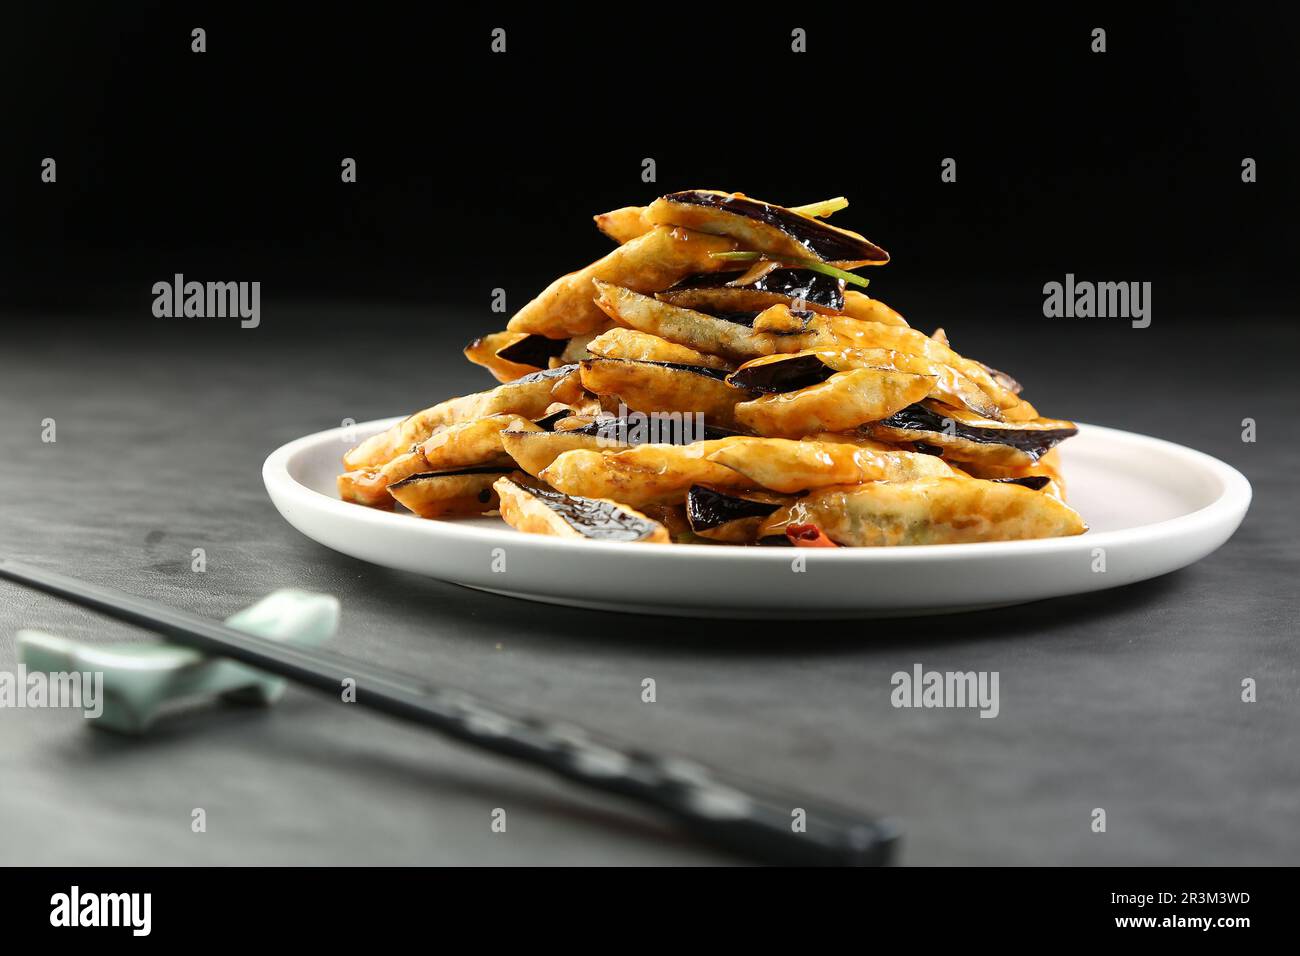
(755, 822)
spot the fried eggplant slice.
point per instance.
(473, 443)
(787, 372)
(782, 320)
(666, 387)
(414, 462)
(534, 352)
(648, 263)
(855, 438)
(845, 400)
(696, 330)
(540, 510)
(765, 227)
(1044, 474)
(621, 343)
(928, 511)
(964, 437)
(511, 355)
(733, 517)
(449, 494)
(574, 419)
(624, 225)
(486, 351)
(782, 465)
(725, 292)
(369, 486)
(576, 349)
(534, 450)
(742, 343)
(365, 486)
(642, 475)
(528, 396)
(666, 429)
(861, 306)
(954, 388)
(846, 332)
(1050, 465)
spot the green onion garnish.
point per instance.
(821, 209)
(812, 265)
(850, 277)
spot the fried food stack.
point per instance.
(721, 377)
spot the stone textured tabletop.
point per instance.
(1128, 700)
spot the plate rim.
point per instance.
(1234, 498)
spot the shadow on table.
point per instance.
(299, 747)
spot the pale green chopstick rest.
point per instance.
(139, 679)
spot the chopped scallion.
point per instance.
(811, 265)
(821, 209)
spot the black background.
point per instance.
(479, 170)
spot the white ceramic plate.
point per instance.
(1152, 507)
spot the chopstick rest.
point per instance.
(141, 679)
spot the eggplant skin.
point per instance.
(821, 240)
(1032, 482)
(708, 508)
(534, 350)
(486, 352)
(717, 374)
(1032, 442)
(445, 494)
(595, 518)
(712, 293)
(547, 423)
(803, 285)
(543, 510)
(546, 373)
(782, 375)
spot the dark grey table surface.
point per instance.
(1127, 700)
